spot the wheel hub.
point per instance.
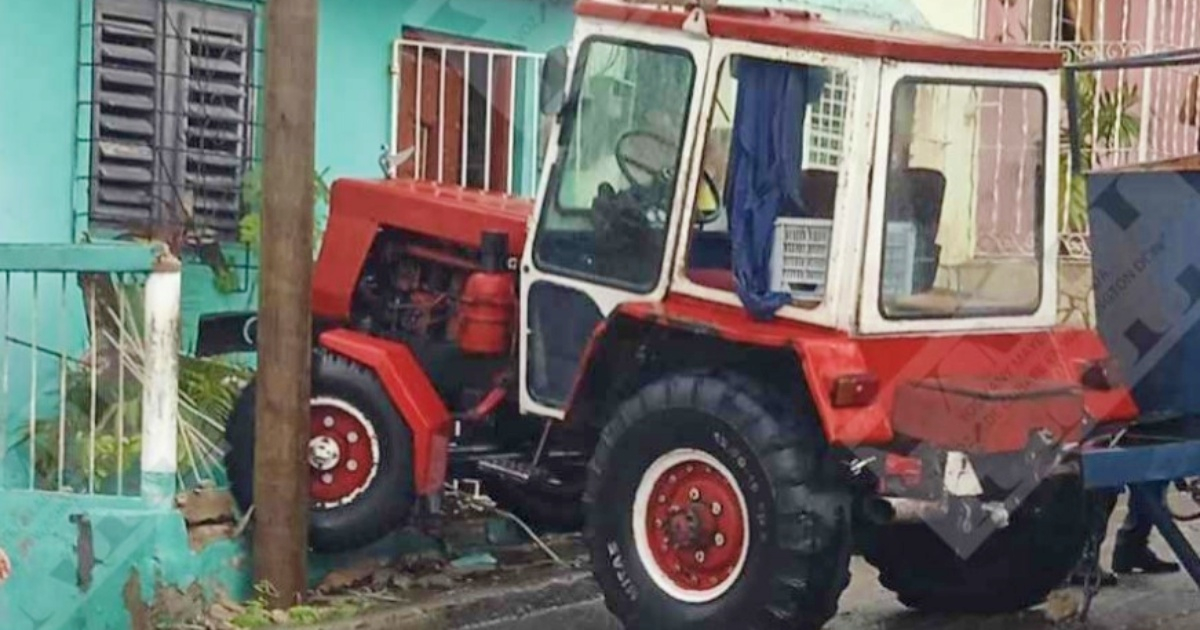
(695, 525)
(323, 453)
(343, 452)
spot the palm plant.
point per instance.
(1106, 126)
(109, 380)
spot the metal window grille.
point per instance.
(1093, 30)
(171, 112)
(469, 114)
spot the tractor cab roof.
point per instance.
(808, 30)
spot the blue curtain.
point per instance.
(764, 170)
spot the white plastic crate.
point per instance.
(899, 258)
(800, 257)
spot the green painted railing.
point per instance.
(88, 368)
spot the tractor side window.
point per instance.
(965, 159)
(805, 136)
(605, 215)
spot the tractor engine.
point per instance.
(421, 290)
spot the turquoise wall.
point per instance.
(37, 119)
(39, 64)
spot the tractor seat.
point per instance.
(721, 279)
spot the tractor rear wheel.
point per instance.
(708, 505)
(360, 457)
(1017, 567)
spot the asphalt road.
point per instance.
(1138, 603)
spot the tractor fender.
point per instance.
(411, 392)
(823, 361)
(700, 336)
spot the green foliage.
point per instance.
(207, 391)
(250, 228)
(1106, 124)
(257, 612)
(225, 278)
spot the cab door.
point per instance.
(611, 196)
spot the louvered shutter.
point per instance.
(209, 86)
(125, 129)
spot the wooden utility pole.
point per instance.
(281, 498)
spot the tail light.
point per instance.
(1101, 375)
(854, 390)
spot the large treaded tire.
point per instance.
(1014, 569)
(385, 505)
(797, 560)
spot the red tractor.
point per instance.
(787, 291)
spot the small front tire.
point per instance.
(360, 457)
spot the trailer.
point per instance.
(1144, 221)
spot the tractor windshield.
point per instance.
(612, 187)
(964, 202)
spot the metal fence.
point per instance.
(1127, 117)
(469, 114)
(88, 369)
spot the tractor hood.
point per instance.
(450, 213)
(359, 209)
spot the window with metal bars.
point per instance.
(171, 116)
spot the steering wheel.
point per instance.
(631, 166)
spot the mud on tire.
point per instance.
(797, 519)
(384, 503)
(1014, 569)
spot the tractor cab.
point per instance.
(867, 182)
(786, 286)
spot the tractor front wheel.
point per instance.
(708, 506)
(1017, 567)
(359, 456)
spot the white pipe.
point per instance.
(94, 338)
(394, 122)
(62, 381)
(419, 161)
(4, 361)
(160, 390)
(33, 385)
(466, 117)
(510, 158)
(442, 120)
(1144, 124)
(489, 111)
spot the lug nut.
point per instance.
(327, 478)
(328, 422)
(351, 465)
(352, 437)
(719, 539)
(694, 494)
(690, 468)
(662, 498)
(658, 522)
(717, 509)
(699, 556)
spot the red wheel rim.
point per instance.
(693, 524)
(343, 452)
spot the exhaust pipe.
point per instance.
(901, 511)
(908, 511)
(897, 511)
